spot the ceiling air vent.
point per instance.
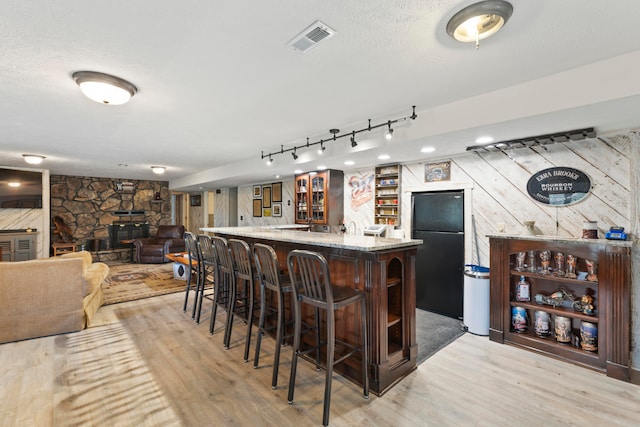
(311, 36)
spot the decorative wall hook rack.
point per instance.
(335, 136)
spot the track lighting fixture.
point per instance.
(335, 136)
(389, 133)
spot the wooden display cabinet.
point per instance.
(387, 196)
(319, 198)
(610, 291)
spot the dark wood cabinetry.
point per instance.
(319, 198)
(609, 286)
(387, 206)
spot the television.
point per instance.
(20, 189)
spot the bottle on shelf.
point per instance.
(523, 290)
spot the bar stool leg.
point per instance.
(331, 345)
(249, 301)
(279, 333)
(263, 303)
(296, 348)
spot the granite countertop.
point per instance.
(565, 239)
(343, 241)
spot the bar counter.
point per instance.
(384, 269)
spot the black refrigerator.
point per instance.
(438, 219)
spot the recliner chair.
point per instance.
(152, 250)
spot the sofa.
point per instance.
(49, 296)
(152, 250)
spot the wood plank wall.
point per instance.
(499, 197)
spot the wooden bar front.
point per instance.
(387, 277)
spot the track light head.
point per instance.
(322, 148)
(353, 140)
(294, 155)
(269, 161)
(389, 133)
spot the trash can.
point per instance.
(475, 309)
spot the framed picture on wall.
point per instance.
(277, 209)
(196, 200)
(276, 192)
(257, 207)
(257, 191)
(266, 196)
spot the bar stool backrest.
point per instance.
(241, 256)
(267, 266)
(191, 245)
(309, 272)
(210, 264)
(223, 257)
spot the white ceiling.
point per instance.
(218, 85)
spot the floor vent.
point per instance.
(310, 37)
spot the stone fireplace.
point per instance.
(101, 213)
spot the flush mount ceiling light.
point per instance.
(104, 88)
(33, 159)
(158, 169)
(479, 21)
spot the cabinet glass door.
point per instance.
(318, 198)
(302, 209)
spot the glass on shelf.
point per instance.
(559, 257)
(531, 258)
(545, 259)
(520, 261)
(571, 266)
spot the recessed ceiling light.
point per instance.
(321, 167)
(427, 150)
(14, 184)
(484, 140)
(384, 157)
(479, 21)
(313, 173)
(349, 163)
(297, 171)
(158, 169)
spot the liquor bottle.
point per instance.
(522, 290)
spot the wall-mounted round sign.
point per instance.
(559, 186)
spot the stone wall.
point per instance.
(87, 204)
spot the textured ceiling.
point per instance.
(218, 85)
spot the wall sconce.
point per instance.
(33, 159)
(159, 170)
(104, 88)
(479, 21)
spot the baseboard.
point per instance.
(634, 376)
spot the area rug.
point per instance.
(128, 282)
(434, 332)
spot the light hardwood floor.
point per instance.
(146, 363)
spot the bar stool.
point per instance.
(268, 272)
(311, 283)
(224, 280)
(242, 301)
(208, 265)
(193, 271)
